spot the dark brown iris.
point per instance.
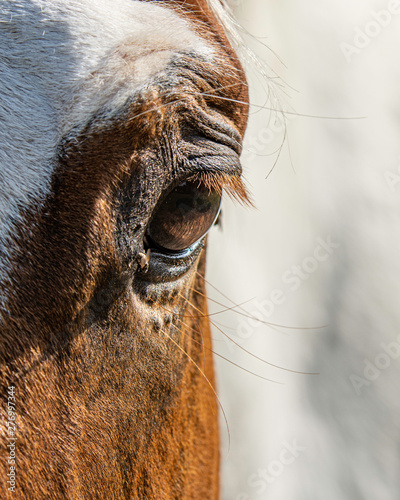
(185, 215)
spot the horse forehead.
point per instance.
(55, 50)
(61, 61)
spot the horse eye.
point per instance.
(184, 217)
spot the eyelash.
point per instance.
(232, 185)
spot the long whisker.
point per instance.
(303, 115)
(211, 93)
(230, 361)
(209, 384)
(267, 108)
(202, 315)
(255, 318)
(266, 155)
(220, 355)
(203, 347)
(245, 314)
(254, 355)
(223, 325)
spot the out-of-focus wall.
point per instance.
(322, 248)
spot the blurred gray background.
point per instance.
(320, 253)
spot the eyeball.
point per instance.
(184, 217)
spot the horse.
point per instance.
(121, 126)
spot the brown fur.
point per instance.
(112, 372)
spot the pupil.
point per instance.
(184, 217)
